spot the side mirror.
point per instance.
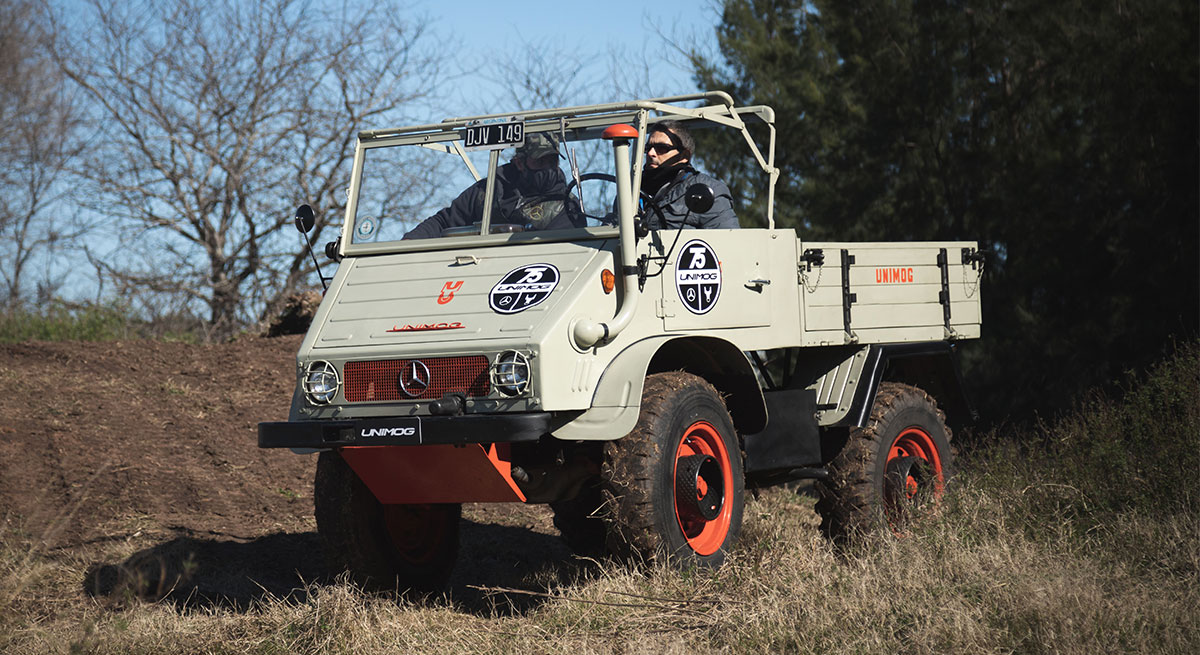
(640, 231)
(305, 218)
(699, 198)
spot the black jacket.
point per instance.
(540, 204)
(669, 200)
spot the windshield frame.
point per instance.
(576, 123)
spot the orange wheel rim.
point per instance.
(705, 537)
(916, 442)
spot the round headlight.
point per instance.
(321, 382)
(510, 373)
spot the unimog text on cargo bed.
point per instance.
(638, 381)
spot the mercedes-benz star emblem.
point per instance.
(414, 378)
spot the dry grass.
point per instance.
(968, 581)
(1025, 555)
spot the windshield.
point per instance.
(434, 186)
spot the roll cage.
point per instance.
(568, 124)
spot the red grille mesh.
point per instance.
(380, 380)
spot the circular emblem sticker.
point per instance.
(523, 288)
(698, 276)
(366, 227)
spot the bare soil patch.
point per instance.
(138, 461)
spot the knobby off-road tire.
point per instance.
(674, 486)
(889, 469)
(384, 547)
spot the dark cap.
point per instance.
(538, 145)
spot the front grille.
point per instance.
(380, 380)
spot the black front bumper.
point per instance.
(405, 431)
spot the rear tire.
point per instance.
(673, 488)
(890, 469)
(384, 547)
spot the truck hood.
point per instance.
(450, 296)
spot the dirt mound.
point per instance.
(137, 464)
(148, 436)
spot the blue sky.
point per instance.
(592, 32)
(616, 34)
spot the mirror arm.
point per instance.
(305, 219)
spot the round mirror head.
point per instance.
(305, 218)
(699, 198)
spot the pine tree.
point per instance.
(1063, 136)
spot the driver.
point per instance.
(530, 191)
(667, 174)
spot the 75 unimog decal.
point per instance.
(698, 277)
(638, 381)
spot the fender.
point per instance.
(932, 366)
(618, 397)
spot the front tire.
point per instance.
(674, 486)
(890, 468)
(384, 547)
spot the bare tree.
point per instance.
(38, 122)
(554, 72)
(674, 46)
(539, 74)
(218, 116)
(548, 72)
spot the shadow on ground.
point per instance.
(190, 572)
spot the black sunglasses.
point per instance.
(660, 148)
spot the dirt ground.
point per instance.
(139, 461)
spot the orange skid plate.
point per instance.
(474, 473)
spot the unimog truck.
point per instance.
(639, 381)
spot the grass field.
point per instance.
(1080, 536)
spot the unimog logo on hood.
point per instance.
(425, 327)
(523, 288)
(698, 276)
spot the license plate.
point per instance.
(404, 431)
(493, 136)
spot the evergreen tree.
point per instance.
(1063, 136)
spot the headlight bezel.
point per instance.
(511, 374)
(316, 382)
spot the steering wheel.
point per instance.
(591, 176)
(648, 202)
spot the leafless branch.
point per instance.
(38, 137)
(216, 118)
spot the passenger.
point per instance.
(667, 175)
(531, 191)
